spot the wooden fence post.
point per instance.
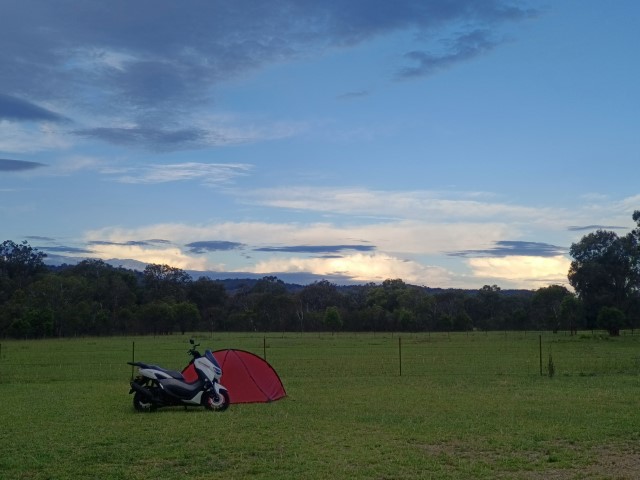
(540, 337)
(400, 353)
(133, 357)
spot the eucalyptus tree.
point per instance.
(312, 302)
(165, 283)
(546, 307)
(19, 264)
(605, 271)
(210, 297)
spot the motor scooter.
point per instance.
(197, 385)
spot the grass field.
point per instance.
(359, 406)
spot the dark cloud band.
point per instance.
(506, 248)
(317, 249)
(7, 165)
(13, 108)
(576, 228)
(213, 246)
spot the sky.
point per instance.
(447, 143)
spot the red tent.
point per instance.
(247, 377)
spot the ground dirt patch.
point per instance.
(598, 463)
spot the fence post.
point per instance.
(540, 337)
(133, 357)
(400, 353)
(264, 348)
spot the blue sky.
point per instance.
(448, 143)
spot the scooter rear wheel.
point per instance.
(141, 403)
(210, 402)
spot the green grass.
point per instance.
(467, 406)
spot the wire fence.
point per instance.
(301, 355)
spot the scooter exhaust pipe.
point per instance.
(140, 389)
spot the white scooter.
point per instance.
(197, 385)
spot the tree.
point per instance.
(210, 297)
(612, 320)
(313, 300)
(605, 271)
(546, 304)
(490, 307)
(113, 289)
(448, 307)
(207, 293)
(462, 322)
(186, 315)
(67, 298)
(157, 318)
(165, 283)
(20, 262)
(332, 319)
(571, 313)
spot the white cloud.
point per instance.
(235, 129)
(206, 173)
(406, 237)
(78, 163)
(521, 270)
(30, 138)
(420, 204)
(171, 255)
(360, 267)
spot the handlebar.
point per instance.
(192, 351)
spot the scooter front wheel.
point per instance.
(222, 402)
(141, 403)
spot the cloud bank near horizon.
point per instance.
(401, 248)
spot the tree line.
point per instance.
(95, 298)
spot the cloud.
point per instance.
(522, 271)
(368, 249)
(7, 165)
(67, 249)
(360, 268)
(506, 248)
(145, 253)
(213, 246)
(155, 138)
(403, 248)
(575, 228)
(314, 249)
(463, 48)
(129, 243)
(41, 239)
(13, 108)
(150, 61)
(28, 137)
(352, 95)
(420, 204)
(411, 238)
(206, 173)
(215, 131)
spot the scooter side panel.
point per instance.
(184, 392)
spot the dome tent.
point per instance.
(247, 377)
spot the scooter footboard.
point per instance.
(184, 392)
